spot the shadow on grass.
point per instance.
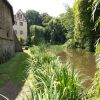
(13, 75)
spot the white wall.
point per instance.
(19, 28)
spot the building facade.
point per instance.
(20, 26)
(7, 44)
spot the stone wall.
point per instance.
(6, 50)
(18, 47)
(7, 45)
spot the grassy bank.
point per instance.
(45, 76)
(94, 92)
(13, 75)
(15, 69)
(52, 80)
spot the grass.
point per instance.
(94, 92)
(14, 72)
(45, 76)
(52, 80)
(15, 69)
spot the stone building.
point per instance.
(20, 26)
(7, 37)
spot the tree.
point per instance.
(84, 35)
(67, 20)
(94, 91)
(45, 19)
(33, 17)
(37, 34)
(96, 17)
(57, 32)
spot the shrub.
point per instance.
(70, 44)
(37, 34)
(26, 47)
(57, 31)
(84, 35)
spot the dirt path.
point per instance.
(9, 90)
(13, 75)
(13, 92)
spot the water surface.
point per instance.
(84, 62)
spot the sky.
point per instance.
(52, 7)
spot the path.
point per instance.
(13, 75)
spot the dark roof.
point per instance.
(11, 9)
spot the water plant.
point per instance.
(94, 92)
(53, 80)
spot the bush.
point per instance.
(70, 44)
(84, 35)
(37, 34)
(26, 47)
(57, 31)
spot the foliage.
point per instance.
(37, 34)
(95, 7)
(67, 20)
(96, 16)
(70, 44)
(57, 32)
(22, 41)
(44, 28)
(84, 35)
(45, 19)
(33, 17)
(52, 31)
(47, 34)
(52, 80)
(94, 92)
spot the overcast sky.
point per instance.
(52, 7)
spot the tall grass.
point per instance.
(52, 79)
(3, 97)
(94, 92)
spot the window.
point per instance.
(15, 31)
(21, 32)
(21, 23)
(20, 17)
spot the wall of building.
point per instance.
(7, 45)
(6, 50)
(19, 28)
(18, 47)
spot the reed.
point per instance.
(52, 79)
